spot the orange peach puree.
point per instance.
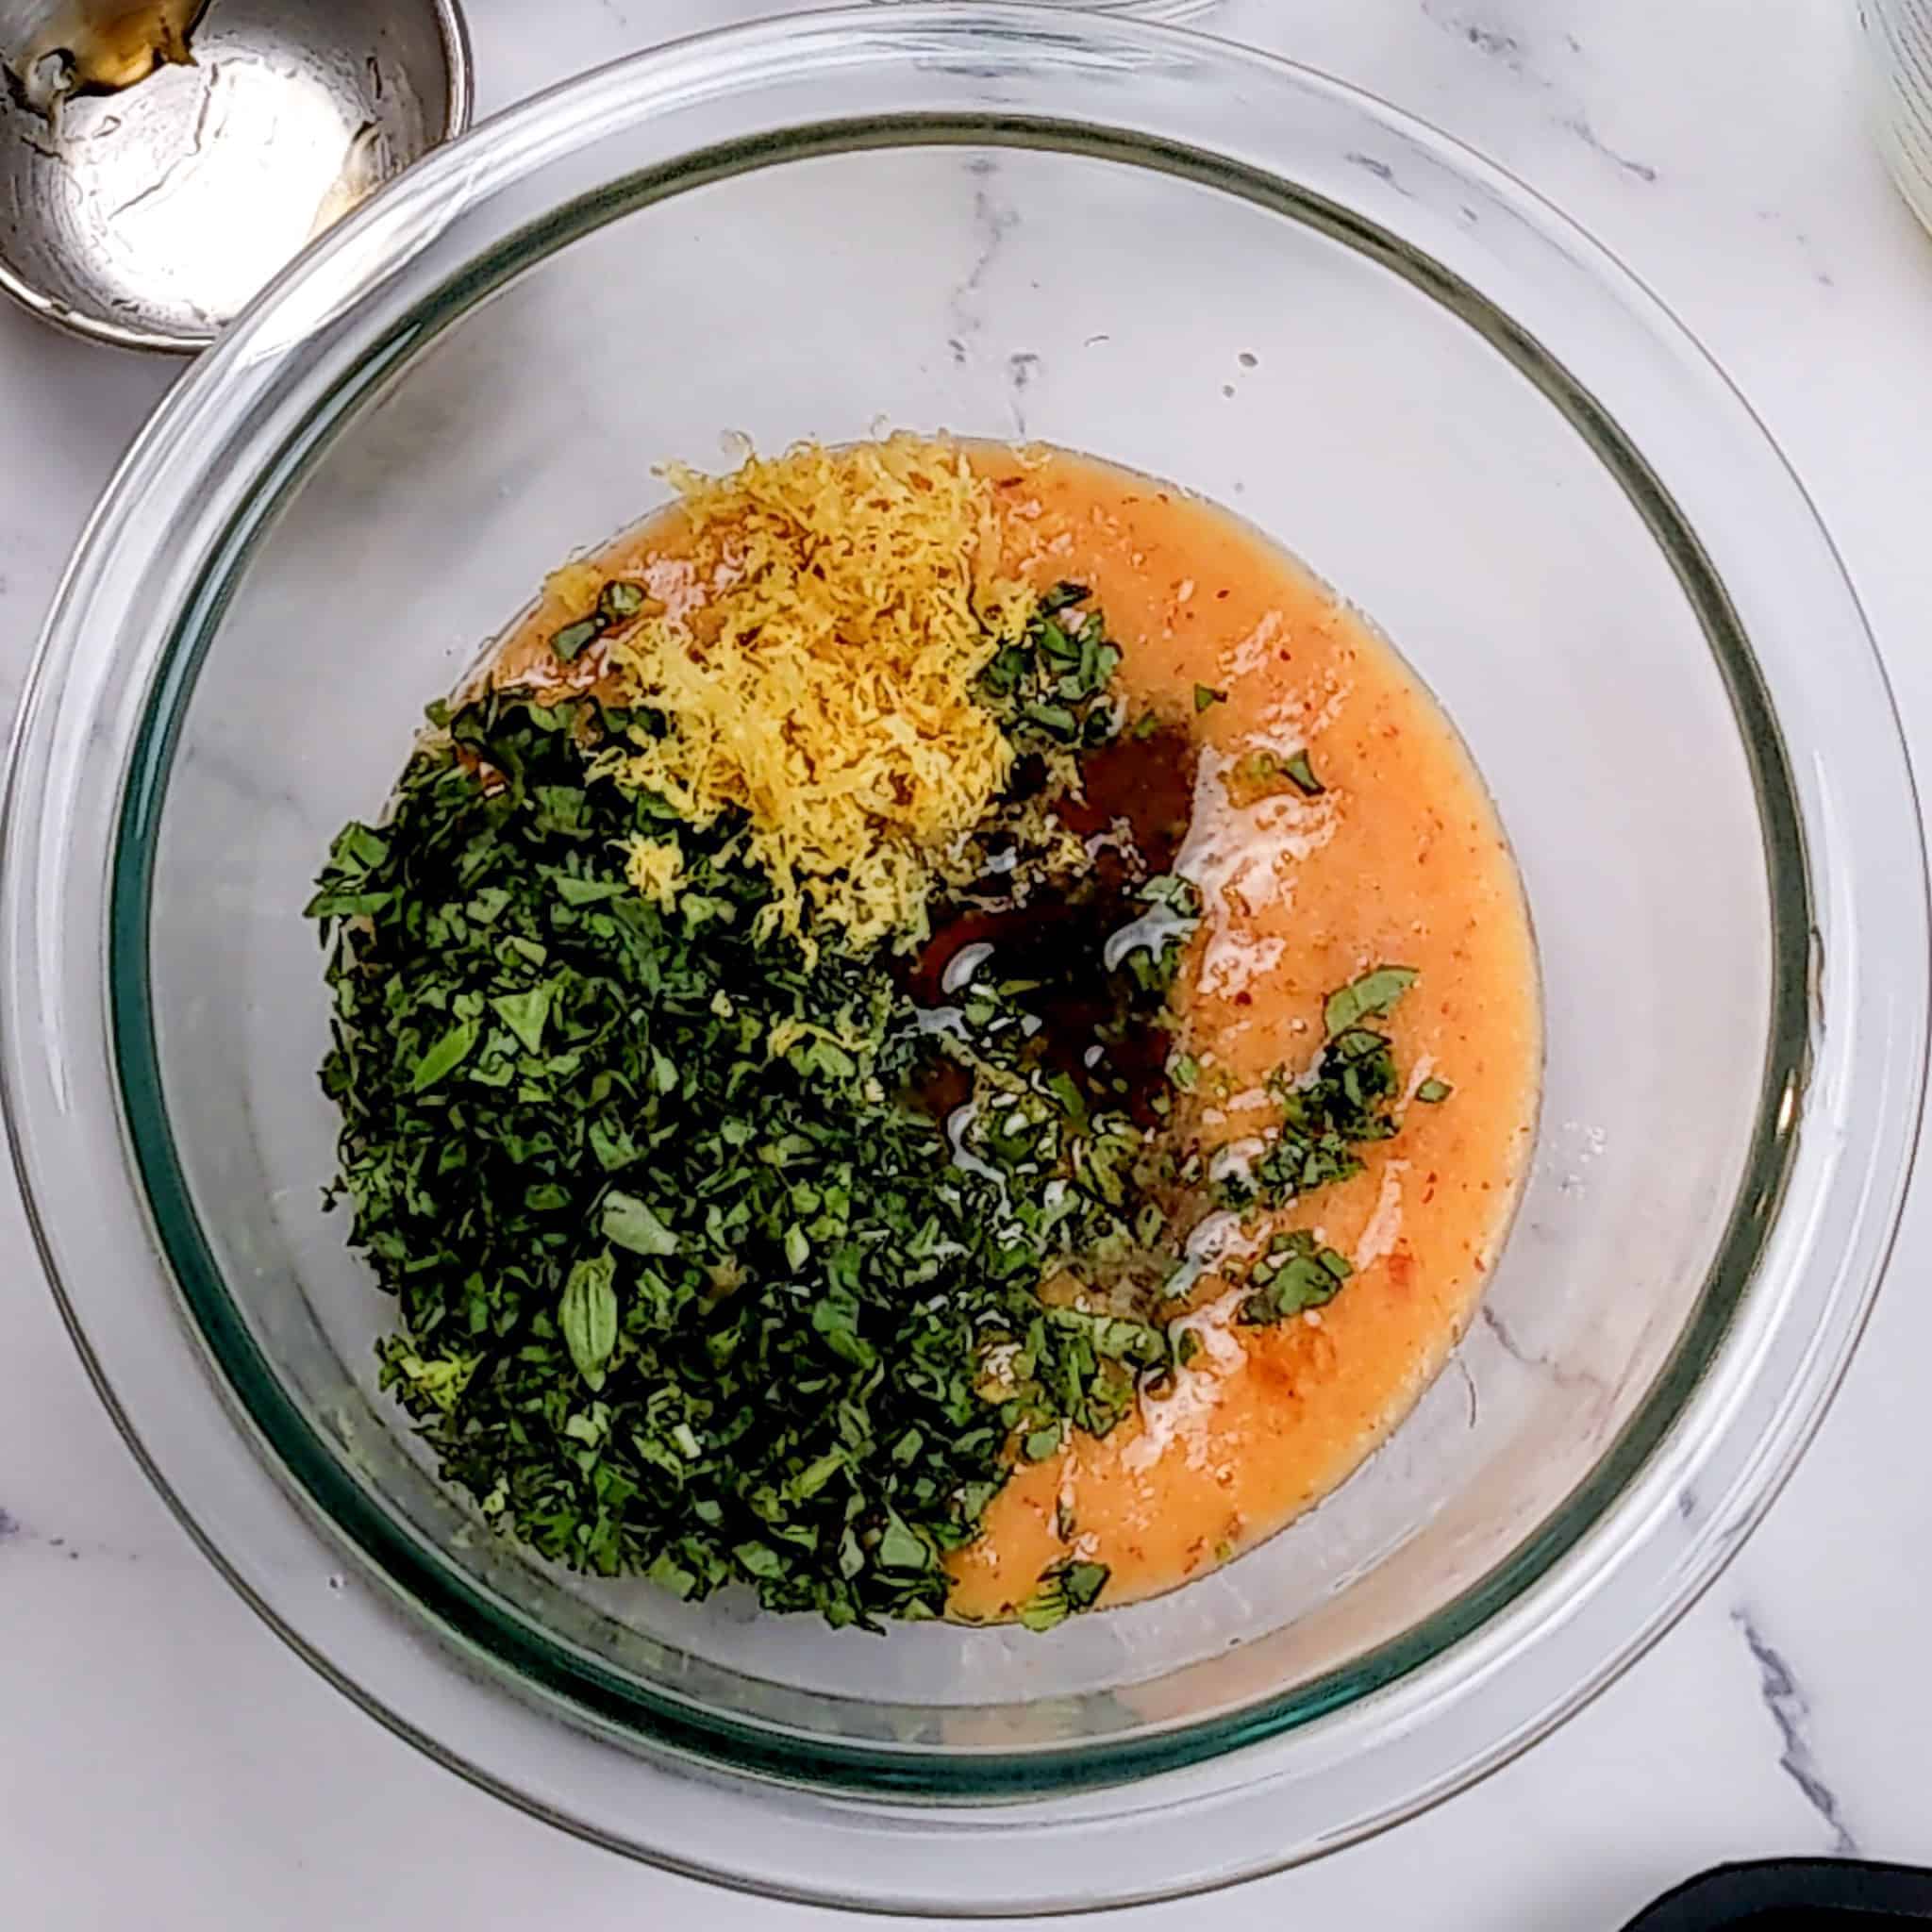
(1401, 861)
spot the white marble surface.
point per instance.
(165, 1763)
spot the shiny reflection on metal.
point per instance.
(146, 208)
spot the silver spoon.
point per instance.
(161, 159)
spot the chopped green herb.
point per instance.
(1302, 774)
(450, 1051)
(784, 1396)
(1064, 1590)
(1368, 997)
(1205, 695)
(1296, 1273)
(1347, 1100)
(903, 1549)
(632, 1225)
(1051, 688)
(524, 1013)
(588, 1316)
(1433, 1091)
(1262, 769)
(570, 639)
(616, 603)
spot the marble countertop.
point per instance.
(165, 1762)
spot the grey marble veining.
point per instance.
(1572, 1378)
(992, 221)
(1553, 64)
(1790, 1712)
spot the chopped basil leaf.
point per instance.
(1294, 1274)
(572, 639)
(632, 1225)
(901, 1549)
(1346, 1101)
(1368, 997)
(524, 1013)
(1064, 1590)
(588, 1316)
(445, 1057)
(783, 1319)
(1302, 773)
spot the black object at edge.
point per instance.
(1794, 1895)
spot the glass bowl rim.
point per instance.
(1776, 1134)
(441, 1586)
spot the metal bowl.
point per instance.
(159, 163)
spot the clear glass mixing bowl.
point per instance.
(1219, 269)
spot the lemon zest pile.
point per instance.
(826, 684)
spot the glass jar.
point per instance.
(1898, 34)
